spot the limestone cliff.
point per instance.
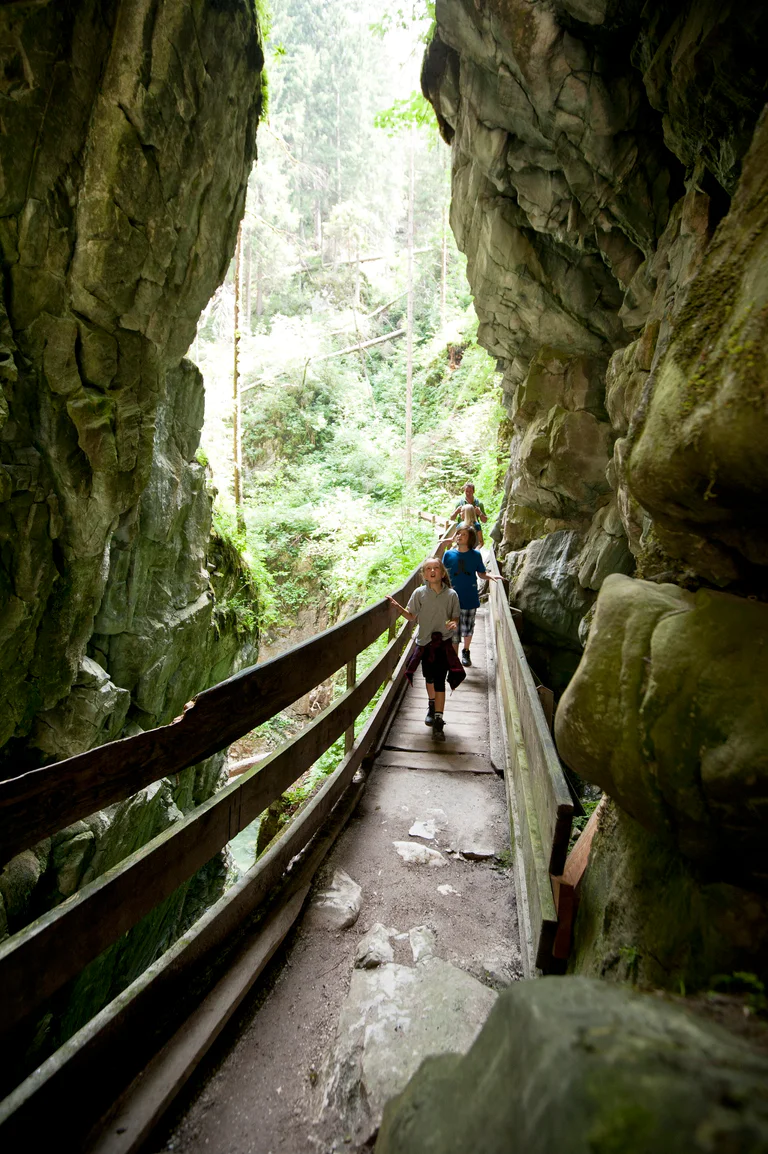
(127, 133)
(609, 189)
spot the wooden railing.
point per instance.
(541, 807)
(39, 959)
(108, 1052)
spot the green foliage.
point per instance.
(326, 530)
(742, 982)
(419, 12)
(405, 113)
(632, 957)
(243, 585)
(579, 823)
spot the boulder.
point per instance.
(393, 1018)
(676, 681)
(544, 586)
(578, 1066)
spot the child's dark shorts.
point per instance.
(435, 670)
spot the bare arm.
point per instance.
(480, 515)
(406, 614)
(490, 577)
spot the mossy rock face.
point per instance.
(124, 160)
(583, 1067)
(646, 916)
(129, 135)
(666, 713)
(699, 464)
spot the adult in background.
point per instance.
(436, 608)
(465, 565)
(469, 499)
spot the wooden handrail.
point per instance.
(542, 800)
(39, 959)
(111, 1049)
(43, 801)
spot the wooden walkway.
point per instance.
(466, 749)
(138, 1052)
(309, 1063)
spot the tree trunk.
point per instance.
(443, 268)
(409, 319)
(259, 287)
(443, 257)
(357, 277)
(338, 144)
(248, 279)
(236, 443)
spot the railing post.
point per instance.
(349, 735)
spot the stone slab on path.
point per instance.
(394, 1017)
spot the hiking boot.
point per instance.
(438, 725)
(465, 658)
(430, 718)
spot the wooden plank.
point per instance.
(104, 1048)
(414, 741)
(169, 1070)
(565, 888)
(38, 960)
(449, 762)
(43, 801)
(542, 912)
(476, 707)
(554, 806)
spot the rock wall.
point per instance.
(127, 133)
(609, 189)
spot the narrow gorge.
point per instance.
(609, 194)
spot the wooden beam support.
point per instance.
(349, 734)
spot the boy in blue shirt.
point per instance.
(465, 565)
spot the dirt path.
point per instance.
(317, 1051)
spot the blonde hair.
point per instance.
(436, 561)
(468, 516)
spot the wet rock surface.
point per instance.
(392, 1018)
(124, 164)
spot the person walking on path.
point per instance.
(435, 606)
(465, 565)
(469, 498)
(480, 514)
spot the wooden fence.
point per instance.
(538, 792)
(40, 959)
